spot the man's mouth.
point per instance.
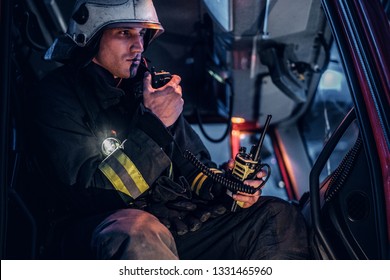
(135, 59)
(134, 66)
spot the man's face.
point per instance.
(120, 51)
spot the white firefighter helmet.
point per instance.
(91, 16)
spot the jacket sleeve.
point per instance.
(187, 139)
(70, 154)
(133, 169)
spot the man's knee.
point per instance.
(288, 228)
(281, 209)
(133, 234)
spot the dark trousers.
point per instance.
(270, 229)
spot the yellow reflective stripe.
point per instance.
(200, 184)
(215, 170)
(195, 180)
(123, 174)
(170, 171)
(132, 171)
(197, 183)
(114, 178)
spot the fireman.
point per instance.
(111, 151)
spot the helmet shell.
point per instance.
(89, 17)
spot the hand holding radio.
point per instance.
(248, 166)
(240, 180)
(165, 101)
(243, 199)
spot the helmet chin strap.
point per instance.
(119, 81)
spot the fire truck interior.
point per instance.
(240, 61)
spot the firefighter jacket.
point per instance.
(74, 111)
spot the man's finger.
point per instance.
(148, 81)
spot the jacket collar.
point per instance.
(104, 84)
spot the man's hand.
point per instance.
(250, 199)
(165, 102)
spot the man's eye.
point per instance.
(125, 33)
(130, 33)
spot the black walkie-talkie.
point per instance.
(160, 78)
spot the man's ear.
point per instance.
(82, 56)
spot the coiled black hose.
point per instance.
(234, 186)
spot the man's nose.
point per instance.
(138, 44)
